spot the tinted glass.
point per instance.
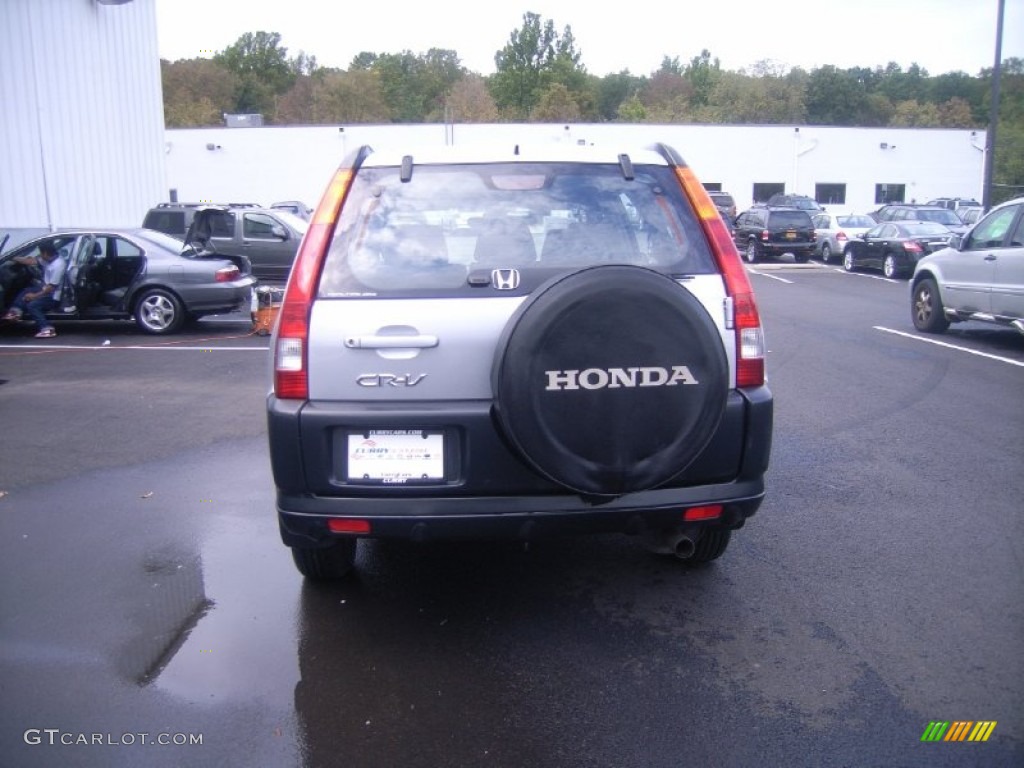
(447, 222)
(790, 219)
(941, 215)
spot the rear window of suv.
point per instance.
(432, 232)
(789, 219)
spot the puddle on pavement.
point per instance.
(243, 645)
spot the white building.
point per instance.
(82, 128)
(856, 168)
(82, 137)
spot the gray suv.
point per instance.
(516, 343)
(979, 277)
(269, 238)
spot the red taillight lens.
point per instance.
(913, 247)
(291, 374)
(765, 235)
(710, 512)
(348, 526)
(841, 236)
(227, 274)
(744, 316)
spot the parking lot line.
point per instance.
(947, 345)
(15, 348)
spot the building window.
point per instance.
(713, 186)
(890, 193)
(764, 190)
(830, 194)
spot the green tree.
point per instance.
(834, 97)
(351, 97)
(615, 90)
(702, 72)
(262, 68)
(535, 57)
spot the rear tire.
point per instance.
(826, 253)
(926, 307)
(326, 564)
(848, 261)
(752, 254)
(159, 312)
(889, 267)
(711, 545)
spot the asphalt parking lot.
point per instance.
(145, 589)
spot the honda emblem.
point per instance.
(505, 279)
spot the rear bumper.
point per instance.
(530, 506)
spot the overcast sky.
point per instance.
(940, 35)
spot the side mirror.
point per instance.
(956, 242)
(279, 232)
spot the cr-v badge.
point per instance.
(505, 279)
(389, 380)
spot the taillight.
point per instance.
(765, 235)
(227, 274)
(841, 236)
(742, 315)
(291, 374)
(913, 247)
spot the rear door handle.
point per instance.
(990, 257)
(418, 341)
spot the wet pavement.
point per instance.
(146, 596)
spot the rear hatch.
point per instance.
(790, 228)
(428, 265)
(210, 224)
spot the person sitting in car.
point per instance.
(43, 295)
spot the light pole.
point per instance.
(993, 120)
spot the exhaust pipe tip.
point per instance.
(684, 548)
(680, 543)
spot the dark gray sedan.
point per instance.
(133, 274)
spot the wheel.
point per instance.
(826, 253)
(889, 266)
(159, 311)
(711, 545)
(926, 307)
(752, 254)
(848, 260)
(659, 402)
(326, 564)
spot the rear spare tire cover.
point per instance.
(610, 380)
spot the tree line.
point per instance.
(539, 77)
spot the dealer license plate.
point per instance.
(395, 456)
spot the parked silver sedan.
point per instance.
(133, 274)
(832, 231)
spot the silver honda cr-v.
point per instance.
(516, 342)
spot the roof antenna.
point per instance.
(516, 150)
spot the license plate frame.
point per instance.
(395, 456)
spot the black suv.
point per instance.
(768, 232)
(516, 342)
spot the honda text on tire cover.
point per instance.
(516, 342)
